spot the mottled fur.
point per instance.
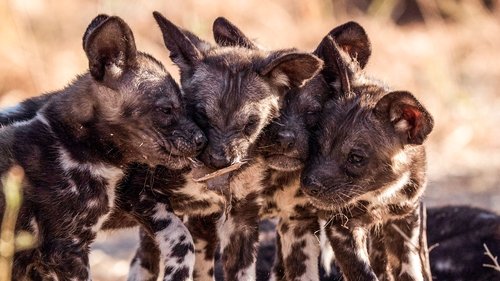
(76, 147)
(285, 147)
(232, 93)
(367, 171)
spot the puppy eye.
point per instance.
(167, 110)
(355, 158)
(250, 127)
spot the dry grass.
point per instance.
(452, 66)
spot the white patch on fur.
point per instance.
(201, 265)
(225, 227)
(109, 173)
(387, 194)
(42, 119)
(359, 235)
(137, 272)
(402, 126)
(414, 267)
(161, 212)
(111, 202)
(327, 254)
(399, 161)
(35, 231)
(247, 274)
(72, 187)
(312, 250)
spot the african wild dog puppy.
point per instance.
(75, 150)
(457, 235)
(285, 146)
(367, 171)
(232, 92)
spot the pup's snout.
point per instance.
(200, 140)
(286, 139)
(219, 161)
(311, 186)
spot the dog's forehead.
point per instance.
(225, 91)
(346, 123)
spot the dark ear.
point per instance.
(290, 69)
(110, 47)
(227, 34)
(93, 24)
(182, 51)
(336, 67)
(352, 39)
(409, 118)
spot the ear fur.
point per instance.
(182, 51)
(290, 69)
(110, 47)
(227, 34)
(336, 68)
(409, 118)
(352, 39)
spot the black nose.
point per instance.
(310, 185)
(286, 139)
(219, 161)
(200, 140)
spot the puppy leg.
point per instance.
(378, 256)
(402, 242)
(175, 243)
(351, 254)
(238, 234)
(300, 248)
(204, 232)
(145, 265)
(63, 259)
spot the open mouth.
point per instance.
(281, 162)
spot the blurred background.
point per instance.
(446, 52)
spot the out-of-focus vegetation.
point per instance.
(446, 52)
(10, 241)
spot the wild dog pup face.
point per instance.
(136, 106)
(233, 91)
(368, 139)
(284, 142)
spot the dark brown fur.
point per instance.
(78, 146)
(367, 169)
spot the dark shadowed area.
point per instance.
(445, 52)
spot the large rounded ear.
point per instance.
(110, 47)
(410, 120)
(227, 34)
(182, 51)
(352, 39)
(290, 69)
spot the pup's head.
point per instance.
(368, 142)
(133, 110)
(233, 92)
